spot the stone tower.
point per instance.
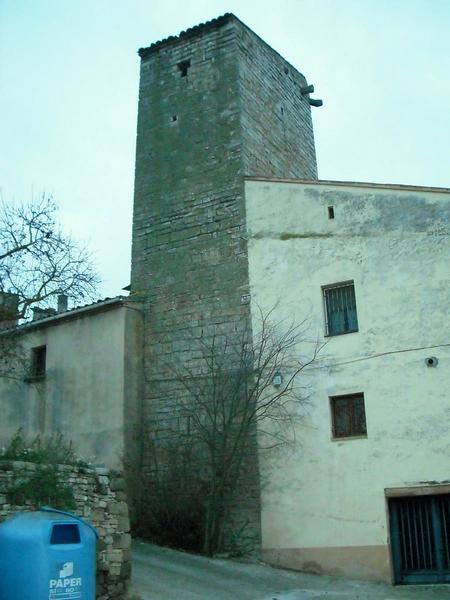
(216, 103)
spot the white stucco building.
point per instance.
(366, 492)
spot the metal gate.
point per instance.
(420, 538)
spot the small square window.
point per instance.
(39, 356)
(348, 416)
(340, 308)
(183, 67)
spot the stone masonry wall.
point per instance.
(276, 117)
(100, 499)
(209, 114)
(189, 250)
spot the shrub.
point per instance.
(50, 450)
(42, 487)
(172, 510)
(178, 525)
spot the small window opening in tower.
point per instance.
(286, 70)
(331, 212)
(183, 67)
(282, 110)
(174, 118)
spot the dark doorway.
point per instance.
(420, 538)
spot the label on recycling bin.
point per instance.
(66, 586)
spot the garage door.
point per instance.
(420, 538)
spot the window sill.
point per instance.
(349, 438)
(342, 333)
(34, 378)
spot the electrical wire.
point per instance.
(347, 362)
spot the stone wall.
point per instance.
(215, 104)
(100, 499)
(189, 249)
(276, 123)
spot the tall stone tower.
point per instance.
(216, 104)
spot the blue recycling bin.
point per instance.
(47, 555)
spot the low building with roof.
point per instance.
(81, 376)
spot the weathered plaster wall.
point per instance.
(100, 499)
(90, 391)
(196, 137)
(324, 507)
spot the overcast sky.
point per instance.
(69, 86)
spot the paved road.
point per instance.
(164, 574)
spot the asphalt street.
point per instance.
(164, 574)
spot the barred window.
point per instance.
(39, 356)
(348, 416)
(340, 308)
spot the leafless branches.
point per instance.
(37, 260)
(230, 403)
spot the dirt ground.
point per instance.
(164, 574)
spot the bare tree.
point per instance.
(37, 260)
(241, 392)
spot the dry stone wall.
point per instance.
(100, 499)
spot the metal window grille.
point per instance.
(348, 416)
(340, 308)
(39, 361)
(443, 503)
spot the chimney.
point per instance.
(62, 303)
(42, 313)
(8, 310)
